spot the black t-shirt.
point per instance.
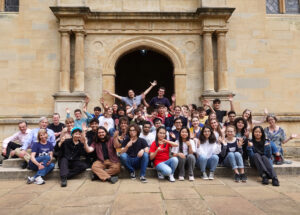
(104, 151)
(56, 128)
(155, 101)
(220, 114)
(133, 150)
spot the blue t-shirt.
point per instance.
(42, 150)
(128, 101)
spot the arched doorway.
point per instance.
(135, 69)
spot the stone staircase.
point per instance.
(10, 169)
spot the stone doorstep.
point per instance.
(17, 173)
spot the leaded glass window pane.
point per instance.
(12, 5)
(272, 6)
(292, 6)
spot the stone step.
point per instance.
(17, 173)
(292, 152)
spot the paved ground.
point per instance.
(220, 196)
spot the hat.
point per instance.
(75, 129)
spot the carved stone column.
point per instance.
(208, 62)
(79, 62)
(64, 84)
(222, 62)
(180, 89)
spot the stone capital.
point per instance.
(221, 32)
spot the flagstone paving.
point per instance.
(82, 196)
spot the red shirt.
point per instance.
(161, 156)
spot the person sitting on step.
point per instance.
(107, 165)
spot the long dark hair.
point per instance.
(244, 122)
(106, 138)
(156, 138)
(259, 146)
(211, 138)
(263, 136)
(180, 138)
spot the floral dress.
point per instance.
(276, 137)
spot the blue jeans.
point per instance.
(47, 168)
(211, 163)
(135, 163)
(234, 160)
(167, 167)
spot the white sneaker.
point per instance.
(211, 175)
(39, 180)
(191, 178)
(171, 178)
(160, 176)
(30, 180)
(204, 176)
(181, 178)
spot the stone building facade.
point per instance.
(55, 52)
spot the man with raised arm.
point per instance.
(132, 99)
(217, 108)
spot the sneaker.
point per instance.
(236, 177)
(191, 178)
(143, 179)
(63, 182)
(113, 179)
(211, 175)
(171, 178)
(39, 180)
(181, 178)
(243, 177)
(24, 165)
(94, 177)
(132, 175)
(160, 176)
(287, 162)
(204, 176)
(265, 181)
(30, 180)
(275, 182)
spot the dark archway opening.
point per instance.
(136, 69)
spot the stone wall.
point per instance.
(262, 52)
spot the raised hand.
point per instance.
(240, 142)
(67, 110)
(266, 112)
(250, 144)
(87, 100)
(205, 102)
(293, 136)
(230, 98)
(173, 98)
(106, 91)
(172, 135)
(154, 83)
(101, 100)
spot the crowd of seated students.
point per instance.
(158, 134)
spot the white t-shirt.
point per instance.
(184, 147)
(109, 121)
(150, 138)
(208, 149)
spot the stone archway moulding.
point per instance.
(108, 73)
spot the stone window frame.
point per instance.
(282, 7)
(2, 7)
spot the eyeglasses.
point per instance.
(132, 130)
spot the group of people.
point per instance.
(158, 134)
